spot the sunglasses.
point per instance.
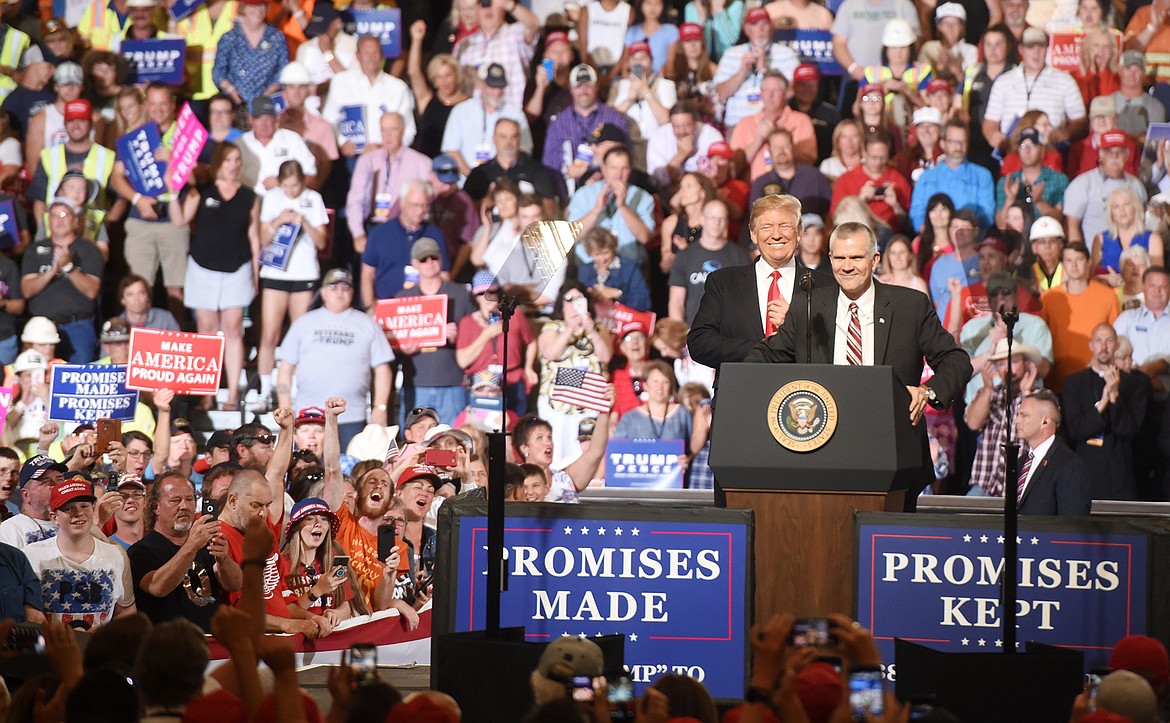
(261, 438)
(425, 259)
(423, 410)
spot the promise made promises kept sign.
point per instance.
(182, 362)
(674, 581)
(1082, 584)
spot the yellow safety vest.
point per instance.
(99, 25)
(98, 165)
(202, 41)
(15, 43)
(917, 76)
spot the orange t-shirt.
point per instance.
(1158, 49)
(362, 548)
(1071, 318)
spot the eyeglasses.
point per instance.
(136, 454)
(489, 295)
(396, 521)
(261, 438)
(136, 495)
(868, 98)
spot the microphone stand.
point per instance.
(497, 573)
(806, 283)
(1011, 453)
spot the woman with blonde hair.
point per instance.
(310, 553)
(852, 208)
(899, 267)
(129, 113)
(1097, 72)
(1134, 262)
(443, 74)
(847, 138)
(1126, 229)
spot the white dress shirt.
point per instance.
(385, 94)
(865, 316)
(764, 282)
(1037, 457)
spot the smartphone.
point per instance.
(580, 305)
(1093, 681)
(811, 633)
(620, 696)
(387, 541)
(581, 688)
(440, 458)
(210, 507)
(866, 694)
(26, 638)
(108, 430)
(638, 70)
(550, 68)
(340, 563)
(485, 3)
(879, 191)
(363, 661)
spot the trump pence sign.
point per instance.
(671, 580)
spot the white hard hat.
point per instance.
(898, 34)
(1046, 227)
(295, 74)
(39, 330)
(29, 360)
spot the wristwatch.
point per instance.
(67, 268)
(930, 395)
(755, 694)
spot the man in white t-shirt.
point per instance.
(84, 582)
(37, 477)
(266, 146)
(367, 85)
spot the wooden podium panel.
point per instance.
(804, 547)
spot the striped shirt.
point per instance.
(1053, 91)
(509, 47)
(746, 99)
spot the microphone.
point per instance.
(806, 283)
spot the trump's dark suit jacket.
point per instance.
(1059, 487)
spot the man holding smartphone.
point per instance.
(875, 181)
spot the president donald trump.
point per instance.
(864, 322)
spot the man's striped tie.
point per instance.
(853, 354)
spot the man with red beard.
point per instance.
(357, 530)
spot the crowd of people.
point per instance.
(691, 141)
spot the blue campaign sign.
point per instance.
(277, 253)
(813, 46)
(939, 586)
(353, 125)
(673, 581)
(88, 392)
(156, 60)
(9, 231)
(386, 25)
(183, 8)
(136, 151)
(644, 463)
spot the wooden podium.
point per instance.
(804, 447)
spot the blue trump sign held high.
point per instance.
(386, 25)
(670, 580)
(644, 463)
(940, 586)
(89, 392)
(157, 60)
(136, 152)
(813, 46)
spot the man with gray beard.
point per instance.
(181, 568)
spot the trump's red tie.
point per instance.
(773, 294)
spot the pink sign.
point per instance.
(190, 137)
(5, 404)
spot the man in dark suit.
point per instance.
(1103, 411)
(743, 304)
(864, 322)
(1052, 480)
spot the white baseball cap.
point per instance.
(927, 114)
(951, 10)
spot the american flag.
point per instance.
(581, 389)
(392, 453)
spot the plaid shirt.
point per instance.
(700, 476)
(987, 470)
(509, 48)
